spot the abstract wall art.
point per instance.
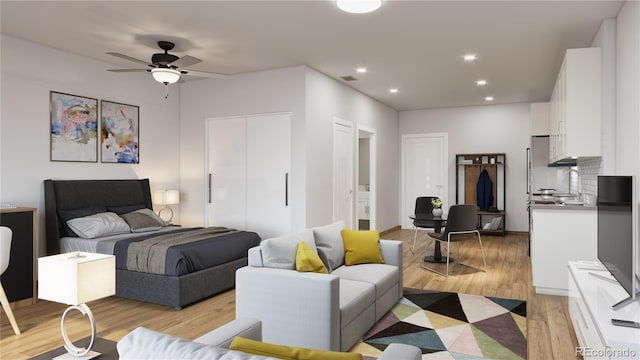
(74, 128)
(119, 133)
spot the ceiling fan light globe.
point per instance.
(165, 75)
(358, 6)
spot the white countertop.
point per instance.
(563, 207)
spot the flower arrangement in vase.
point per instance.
(437, 207)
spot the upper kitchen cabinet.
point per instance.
(575, 112)
(539, 119)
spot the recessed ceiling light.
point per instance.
(481, 82)
(393, 90)
(358, 6)
(470, 57)
(361, 70)
(488, 98)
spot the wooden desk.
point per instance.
(19, 280)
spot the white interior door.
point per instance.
(343, 196)
(424, 171)
(269, 174)
(226, 193)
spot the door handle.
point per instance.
(209, 187)
(286, 189)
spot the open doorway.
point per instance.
(366, 175)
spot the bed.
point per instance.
(193, 270)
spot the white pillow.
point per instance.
(280, 252)
(101, 224)
(330, 246)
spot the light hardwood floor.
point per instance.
(549, 331)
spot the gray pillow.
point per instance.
(97, 225)
(280, 252)
(140, 221)
(330, 245)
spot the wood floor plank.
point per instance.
(549, 331)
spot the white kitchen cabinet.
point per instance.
(575, 114)
(560, 234)
(539, 119)
(249, 173)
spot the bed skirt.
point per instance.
(177, 291)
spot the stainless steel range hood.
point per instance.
(569, 161)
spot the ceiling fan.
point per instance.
(166, 68)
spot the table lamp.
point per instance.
(75, 279)
(166, 198)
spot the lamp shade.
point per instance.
(76, 278)
(166, 197)
(172, 197)
(358, 6)
(165, 75)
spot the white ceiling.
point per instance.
(416, 46)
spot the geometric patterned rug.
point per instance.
(451, 326)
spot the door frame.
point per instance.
(373, 161)
(445, 169)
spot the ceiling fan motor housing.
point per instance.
(164, 58)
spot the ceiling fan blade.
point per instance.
(207, 74)
(185, 61)
(126, 57)
(128, 70)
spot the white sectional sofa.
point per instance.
(143, 344)
(322, 311)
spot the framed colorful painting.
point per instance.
(119, 133)
(74, 128)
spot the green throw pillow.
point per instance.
(308, 260)
(288, 352)
(361, 247)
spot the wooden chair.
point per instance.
(5, 252)
(461, 222)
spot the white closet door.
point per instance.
(227, 172)
(269, 174)
(343, 143)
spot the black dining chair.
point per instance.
(461, 225)
(423, 206)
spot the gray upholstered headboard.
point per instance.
(68, 195)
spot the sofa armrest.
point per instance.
(392, 255)
(222, 336)
(255, 256)
(401, 351)
(295, 308)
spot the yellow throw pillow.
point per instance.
(288, 352)
(361, 247)
(308, 260)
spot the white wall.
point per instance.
(326, 99)
(29, 72)
(628, 94)
(483, 129)
(272, 91)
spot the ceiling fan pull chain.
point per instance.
(166, 93)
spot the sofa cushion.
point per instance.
(355, 297)
(361, 247)
(330, 245)
(143, 343)
(382, 276)
(288, 352)
(308, 260)
(280, 252)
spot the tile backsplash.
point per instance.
(589, 170)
